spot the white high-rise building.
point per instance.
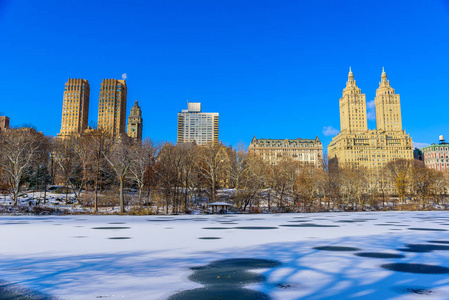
(194, 125)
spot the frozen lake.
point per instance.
(377, 255)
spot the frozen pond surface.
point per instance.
(378, 255)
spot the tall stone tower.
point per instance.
(75, 107)
(352, 107)
(135, 122)
(112, 107)
(388, 107)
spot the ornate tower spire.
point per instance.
(384, 76)
(135, 122)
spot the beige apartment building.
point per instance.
(135, 122)
(112, 106)
(306, 151)
(75, 107)
(358, 146)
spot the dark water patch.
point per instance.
(120, 238)
(255, 219)
(47, 221)
(228, 223)
(79, 226)
(162, 220)
(401, 225)
(111, 228)
(384, 224)
(56, 224)
(308, 225)
(80, 236)
(379, 255)
(413, 250)
(393, 222)
(117, 223)
(15, 223)
(349, 221)
(426, 229)
(415, 268)
(9, 291)
(283, 286)
(217, 228)
(336, 248)
(256, 227)
(299, 221)
(80, 219)
(209, 238)
(220, 293)
(439, 242)
(168, 228)
(225, 279)
(427, 247)
(414, 290)
(395, 229)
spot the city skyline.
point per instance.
(282, 65)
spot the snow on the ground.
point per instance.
(149, 257)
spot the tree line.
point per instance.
(99, 170)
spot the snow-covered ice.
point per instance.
(375, 255)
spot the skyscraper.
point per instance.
(135, 122)
(194, 125)
(357, 146)
(388, 106)
(112, 106)
(352, 107)
(75, 108)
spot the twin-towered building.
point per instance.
(356, 145)
(111, 109)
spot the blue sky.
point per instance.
(273, 69)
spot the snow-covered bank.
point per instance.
(321, 256)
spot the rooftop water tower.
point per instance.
(442, 139)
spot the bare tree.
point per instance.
(117, 152)
(144, 158)
(18, 149)
(212, 163)
(71, 155)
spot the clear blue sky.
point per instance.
(274, 69)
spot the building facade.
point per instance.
(196, 126)
(4, 123)
(356, 145)
(306, 151)
(437, 156)
(112, 106)
(135, 122)
(75, 107)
